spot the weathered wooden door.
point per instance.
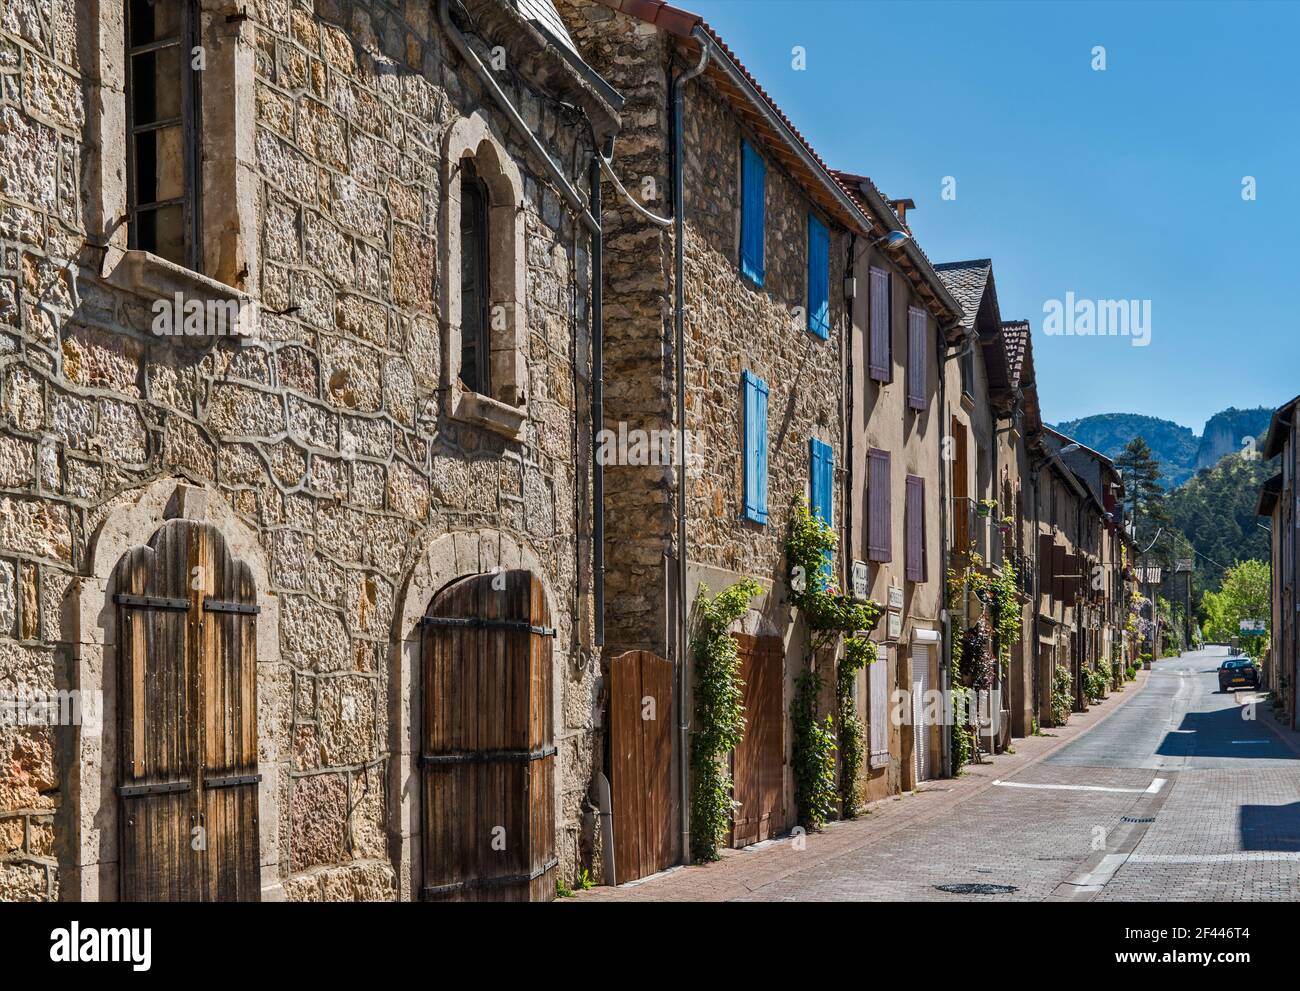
(187, 663)
(641, 764)
(758, 764)
(488, 754)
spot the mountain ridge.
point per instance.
(1180, 451)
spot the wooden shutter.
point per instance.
(821, 479)
(641, 765)
(914, 524)
(187, 657)
(819, 275)
(758, 763)
(878, 698)
(879, 362)
(488, 741)
(753, 182)
(879, 509)
(755, 442)
(917, 358)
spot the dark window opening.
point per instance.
(162, 129)
(475, 358)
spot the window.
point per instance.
(819, 277)
(162, 127)
(485, 367)
(879, 510)
(475, 368)
(755, 440)
(914, 525)
(753, 193)
(918, 357)
(879, 360)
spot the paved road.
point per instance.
(1179, 795)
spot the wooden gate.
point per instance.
(758, 764)
(488, 750)
(641, 764)
(187, 662)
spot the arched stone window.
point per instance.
(483, 282)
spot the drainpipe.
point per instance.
(597, 401)
(679, 333)
(1034, 472)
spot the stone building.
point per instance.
(905, 326)
(241, 527)
(982, 489)
(765, 230)
(1278, 500)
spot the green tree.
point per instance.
(1245, 595)
(1141, 473)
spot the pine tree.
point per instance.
(1141, 473)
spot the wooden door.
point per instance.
(641, 764)
(758, 764)
(187, 663)
(488, 747)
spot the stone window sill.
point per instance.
(491, 414)
(148, 275)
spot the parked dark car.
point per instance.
(1238, 672)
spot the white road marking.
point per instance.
(1154, 787)
(1241, 857)
(1151, 790)
(1103, 872)
(1250, 741)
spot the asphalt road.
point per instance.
(1179, 795)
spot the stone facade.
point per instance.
(333, 440)
(731, 326)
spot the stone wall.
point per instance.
(328, 435)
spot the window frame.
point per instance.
(187, 39)
(482, 345)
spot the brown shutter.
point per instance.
(187, 719)
(879, 537)
(488, 755)
(879, 361)
(917, 355)
(914, 524)
(1045, 566)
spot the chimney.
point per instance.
(901, 207)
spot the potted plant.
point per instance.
(985, 507)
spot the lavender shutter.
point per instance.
(914, 524)
(879, 538)
(878, 360)
(878, 694)
(917, 341)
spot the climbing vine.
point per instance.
(828, 616)
(719, 713)
(1062, 699)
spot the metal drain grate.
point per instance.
(1137, 818)
(967, 888)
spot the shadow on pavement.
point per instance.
(1223, 733)
(1270, 827)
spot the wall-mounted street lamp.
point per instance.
(892, 240)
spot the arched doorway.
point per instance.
(187, 719)
(487, 741)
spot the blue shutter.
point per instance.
(819, 276)
(755, 427)
(821, 471)
(753, 189)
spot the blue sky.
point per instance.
(1119, 184)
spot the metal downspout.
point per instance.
(679, 333)
(945, 662)
(597, 402)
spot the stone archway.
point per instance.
(89, 855)
(442, 561)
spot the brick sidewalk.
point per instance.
(741, 872)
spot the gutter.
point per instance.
(679, 333)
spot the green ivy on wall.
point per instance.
(828, 616)
(719, 713)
